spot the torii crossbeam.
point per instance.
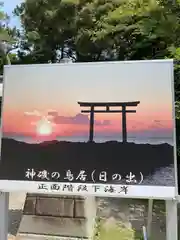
(108, 109)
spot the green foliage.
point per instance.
(48, 26)
(4, 33)
(13, 59)
(107, 229)
(177, 110)
(175, 53)
(94, 30)
(8, 35)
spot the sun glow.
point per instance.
(44, 128)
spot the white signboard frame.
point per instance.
(155, 192)
(139, 70)
(98, 190)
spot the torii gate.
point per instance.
(108, 105)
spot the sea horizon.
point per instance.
(98, 139)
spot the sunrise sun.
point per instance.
(44, 127)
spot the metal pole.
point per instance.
(149, 217)
(144, 233)
(171, 220)
(4, 210)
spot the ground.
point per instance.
(123, 219)
(116, 218)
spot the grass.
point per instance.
(110, 229)
(123, 219)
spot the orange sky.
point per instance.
(135, 122)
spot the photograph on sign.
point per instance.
(89, 128)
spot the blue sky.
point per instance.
(9, 6)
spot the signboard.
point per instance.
(105, 129)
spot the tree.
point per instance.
(49, 29)
(93, 30)
(7, 35)
(5, 32)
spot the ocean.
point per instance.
(98, 139)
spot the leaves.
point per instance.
(99, 29)
(8, 38)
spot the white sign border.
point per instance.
(133, 191)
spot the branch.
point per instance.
(70, 55)
(99, 55)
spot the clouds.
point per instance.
(79, 118)
(52, 113)
(158, 124)
(40, 115)
(33, 113)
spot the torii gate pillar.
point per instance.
(91, 126)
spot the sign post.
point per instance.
(144, 233)
(58, 148)
(149, 217)
(171, 220)
(4, 207)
